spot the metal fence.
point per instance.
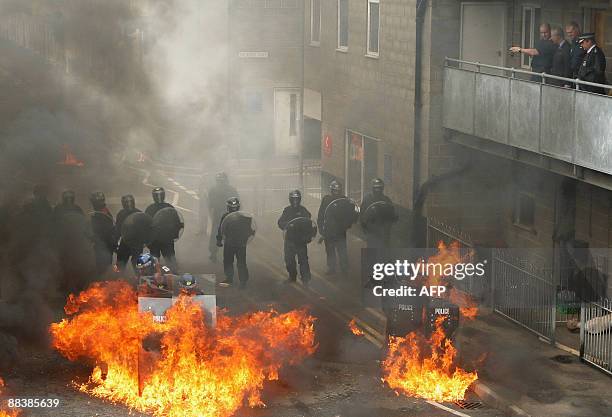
(495, 103)
(523, 293)
(438, 231)
(596, 334)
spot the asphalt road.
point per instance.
(343, 376)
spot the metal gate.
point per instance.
(596, 334)
(523, 293)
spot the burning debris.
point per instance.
(70, 159)
(355, 329)
(425, 367)
(7, 413)
(198, 371)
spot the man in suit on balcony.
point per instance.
(561, 64)
(572, 30)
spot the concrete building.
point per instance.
(265, 76)
(497, 159)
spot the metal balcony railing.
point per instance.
(504, 105)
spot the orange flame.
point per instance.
(355, 329)
(425, 368)
(453, 254)
(196, 371)
(70, 159)
(7, 413)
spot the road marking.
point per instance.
(445, 408)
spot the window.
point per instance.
(373, 26)
(293, 115)
(254, 102)
(524, 211)
(343, 21)
(315, 22)
(530, 32)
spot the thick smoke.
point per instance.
(105, 80)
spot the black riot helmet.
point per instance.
(335, 188)
(295, 198)
(378, 186)
(68, 198)
(221, 178)
(128, 202)
(233, 204)
(159, 194)
(98, 200)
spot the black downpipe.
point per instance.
(417, 227)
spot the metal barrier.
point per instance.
(596, 334)
(523, 293)
(490, 102)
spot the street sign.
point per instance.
(253, 54)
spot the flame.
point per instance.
(197, 371)
(356, 330)
(425, 368)
(454, 254)
(70, 159)
(7, 413)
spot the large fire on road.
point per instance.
(198, 371)
(426, 367)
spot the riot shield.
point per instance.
(137, 230)
(301, 230)
(168, 225)
(379, 213)
(339, 216)
(238, 228)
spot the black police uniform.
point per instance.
(125, 253)
(104, 238)
(217, 198)
(334, 236)
(377, 226)
(561, 64)
(156, 248)
(64, 208)
(576, 57)
(296, 246)
(234, 243)
(593, 69)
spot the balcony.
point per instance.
(503, 105)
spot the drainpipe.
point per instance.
(421, 8)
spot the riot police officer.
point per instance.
(124, 251)
(67, 205)
(377, 214)
(216, 200)
(299, 230)
(163, 246)
(233, 234)
(103, 230)
(336, 215)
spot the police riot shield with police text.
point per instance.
(339, 216)
(137, 230)
(168, 225)
(301, 230)
(238, 228)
